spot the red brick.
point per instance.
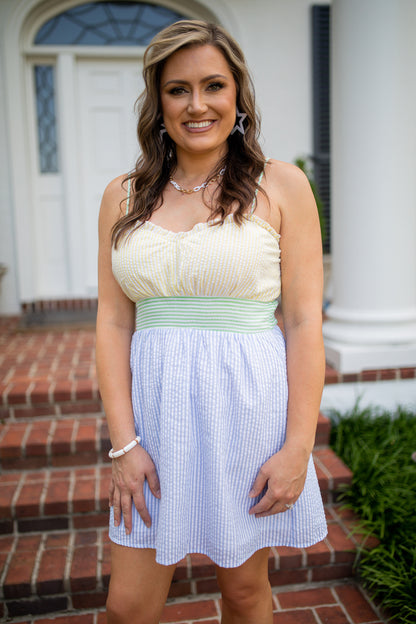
(350, 378)
(207, 586)
(18, 393)
(288, 577)
(90, 521)
(407, 373)
(83, 388)
(56, 500)
(18, 579)
(62, 390)
(339, 471)
(189, 611)
(332, 615)
(294, 617)
(318, 554)
(355, 604)
(50, 578)
(61, 441)
(38, 438)
(323, 430)
(86, 436)
(86, 618)
(344, 547)
(181, 570)
(86, 538)
(202, 566)
(83, 575)
(7, 492)
(81, 407)
(388, 374)
(27, 504)
(88, 600)
(11, 443)
(370, 375)
(41, 392)
(331, 375)
(305, 598)
(34, 412)
(181, 588)
(332, 572)
(289, 557)
(84, 494)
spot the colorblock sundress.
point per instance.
(209, 389)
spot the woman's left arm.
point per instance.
(284, 473)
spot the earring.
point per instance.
(239, 124)
(162, 130)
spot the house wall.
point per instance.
(276, 38)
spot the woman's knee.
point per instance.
(122, 608)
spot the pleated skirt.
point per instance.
(211, 408)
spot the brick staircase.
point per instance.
(54, 549)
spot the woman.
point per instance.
(189, 275)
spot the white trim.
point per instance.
(68, 149)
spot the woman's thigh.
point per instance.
(138, 586)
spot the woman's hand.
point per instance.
(129, 473)
(284, 475)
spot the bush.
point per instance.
(380, 451)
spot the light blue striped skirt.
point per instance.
(210, 407)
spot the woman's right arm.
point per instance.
(115, 326)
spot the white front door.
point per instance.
(97, 141)
(107, 142)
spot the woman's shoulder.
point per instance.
(287, 183)
(284, 174)
(114, 196)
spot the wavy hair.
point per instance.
(244, 159)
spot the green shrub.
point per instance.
(378, 448)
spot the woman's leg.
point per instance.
(138, 586)
(246, 591)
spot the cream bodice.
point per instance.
(216, 260)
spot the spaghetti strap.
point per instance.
(253, 204)
(128, 195)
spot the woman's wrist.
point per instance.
(115, 453)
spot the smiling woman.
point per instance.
(190, 359)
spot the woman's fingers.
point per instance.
(140, 504)
(153, 482)
(264, 504)
(111, 493)
(116, 506)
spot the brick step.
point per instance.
(60, 570)
(71, 441)
(76, 498)
(337, 602)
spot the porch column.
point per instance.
(372, 318)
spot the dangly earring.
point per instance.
(162, 130)
(239, 122)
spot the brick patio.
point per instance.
(54, 549)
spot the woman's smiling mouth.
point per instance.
(199, 125)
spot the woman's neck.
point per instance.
(195, 168)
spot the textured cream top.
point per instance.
(217, 260)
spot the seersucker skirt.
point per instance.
(211, 408)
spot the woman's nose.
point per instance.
(196, 103)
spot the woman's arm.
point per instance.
(301, 257)
(115, 326)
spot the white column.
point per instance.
(372, 319)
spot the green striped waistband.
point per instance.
(216, 313)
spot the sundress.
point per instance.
(209, 389)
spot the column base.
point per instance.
(351, 358)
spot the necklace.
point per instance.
(204, 185)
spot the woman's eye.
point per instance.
(215, 86)
(177, 90)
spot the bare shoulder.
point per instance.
(289, 187)
(286, 178)
(113, 200)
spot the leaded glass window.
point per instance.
(106, 23)
(46, 118)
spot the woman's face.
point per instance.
(198, 97)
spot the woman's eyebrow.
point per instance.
(185, 82)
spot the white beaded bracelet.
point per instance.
(114, 454)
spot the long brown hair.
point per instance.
(244, 160)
